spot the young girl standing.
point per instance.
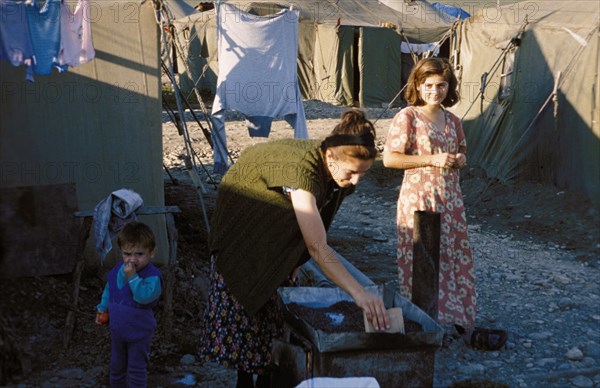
(428, 142)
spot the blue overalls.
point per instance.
(131, 326)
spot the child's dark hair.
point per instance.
(353, 136)
(425, 68)
(137, 233)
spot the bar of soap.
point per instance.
(396, 322)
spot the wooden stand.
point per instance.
(295, 360)
(168, 275)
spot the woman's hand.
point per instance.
(375, 310)
(443, 160)
(315, 238)
(460, 161)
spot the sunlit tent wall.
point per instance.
(348, 54)
(517, 128)
(96, 127)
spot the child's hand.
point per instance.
(102, 318)
(130, 269)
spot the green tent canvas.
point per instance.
(517, 127)
(96, 127)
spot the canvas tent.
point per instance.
(517, 128)
(348, 54)
(95, 128)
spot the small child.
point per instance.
(132, 290)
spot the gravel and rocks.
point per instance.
(543, 296)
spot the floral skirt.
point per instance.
(232, 337)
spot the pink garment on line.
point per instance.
(76, 35)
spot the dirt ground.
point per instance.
(33, 310)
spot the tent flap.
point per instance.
(520, 129)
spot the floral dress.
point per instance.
(233, 338)
(437, 190)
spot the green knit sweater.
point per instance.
(254, 232)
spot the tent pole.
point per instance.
(163, 17)
(203, 107)
(177, 121)
(207, 134)
(515, 41)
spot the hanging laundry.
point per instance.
(257, 74)
(44, 27)
(420, 48)
(260, 126)
(75, 35)
(15, 41)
